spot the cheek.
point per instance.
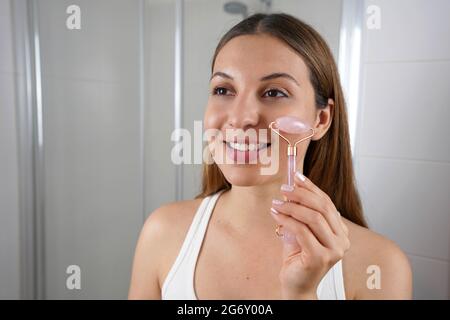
(307, 114)
(305, 107)
(214, 118)
(311, 110)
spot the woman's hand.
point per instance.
(315, 237)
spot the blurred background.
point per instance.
(86, 117)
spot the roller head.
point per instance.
(291, 125)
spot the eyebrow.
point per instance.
(265, 78)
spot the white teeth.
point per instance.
(246, 147)
(262, 145)
(239, 146)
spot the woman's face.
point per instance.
(256, 79)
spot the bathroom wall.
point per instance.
(402, 147)
(9, 193)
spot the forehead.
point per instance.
(258, 55)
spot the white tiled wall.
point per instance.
(403, 148)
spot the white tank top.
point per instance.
(179, 283)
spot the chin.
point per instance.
(244, 175)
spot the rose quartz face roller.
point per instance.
(293, 126)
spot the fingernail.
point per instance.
(300, 176)
(287, 188)
(277, 202)
(273, 211)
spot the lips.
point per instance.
(244, 147)
(244, 152)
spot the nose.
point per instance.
(243, 114)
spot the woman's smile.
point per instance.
(245, 152)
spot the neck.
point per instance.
(248, 208)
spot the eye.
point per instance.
(273, 93)
(220, 91)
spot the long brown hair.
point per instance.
(328, 161)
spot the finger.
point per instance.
(323, 206)
(308, 241)
(291, 246)
(303, 181)
(313, 219)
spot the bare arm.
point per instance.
(392, 267)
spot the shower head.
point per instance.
(236, 7)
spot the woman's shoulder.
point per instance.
(375, 267)
(167, 226)
(172, 215)
(159, 241)
(170, 222)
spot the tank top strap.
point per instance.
(199, 226)
(183, 268)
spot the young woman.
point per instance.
(225, 244)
